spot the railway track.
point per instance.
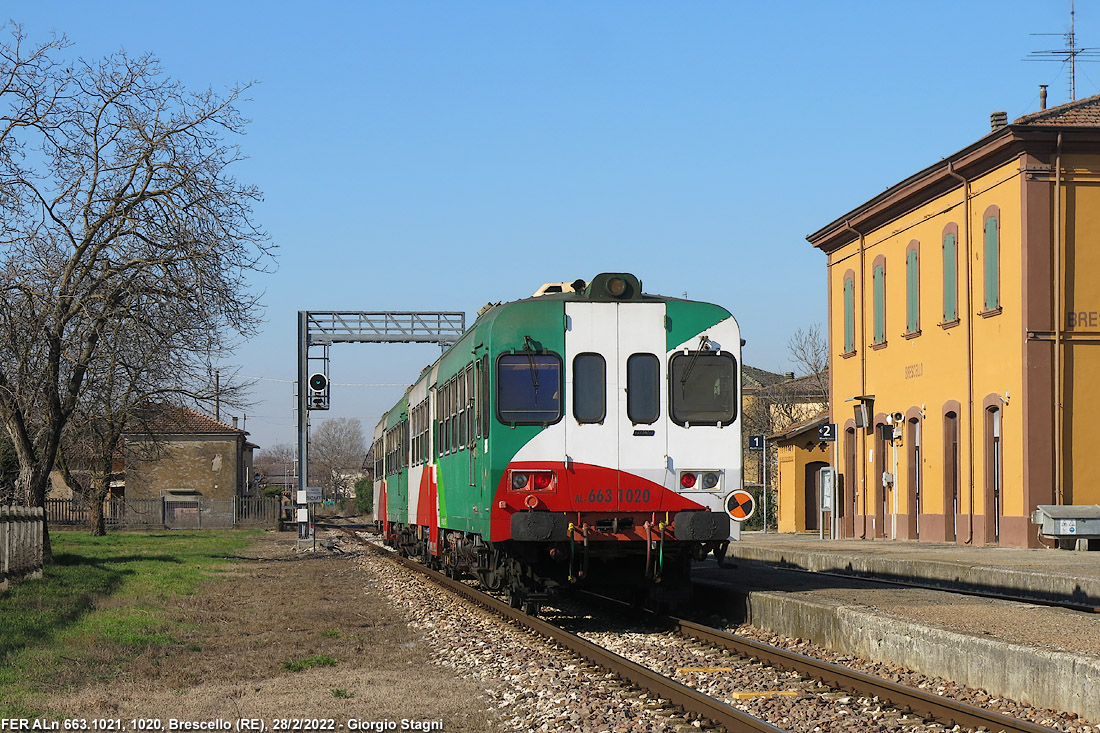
(962, 591)
(698, 704)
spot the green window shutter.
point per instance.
(849, 315)
(950, 280)
(912, 282)
(880, 304)
(992, 265)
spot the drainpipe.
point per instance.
(1058, 408)
(969, 351)
(862, 372)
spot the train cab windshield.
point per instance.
(703, 385)
(529, 388)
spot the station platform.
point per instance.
(1047, 657)
(1045, 574)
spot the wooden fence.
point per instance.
(21, 536)
(171, 512)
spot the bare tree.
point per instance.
(116, 199)
(278, 460)
(142, 364)
(336, 450)
(809, 349)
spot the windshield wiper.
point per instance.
(691, 365)
(529, 346)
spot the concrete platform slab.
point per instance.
(1047, 657)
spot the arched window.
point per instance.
(879, 290)
(912, 288)
(950, 275)
(951, 468)
(994, 467)
(849, 312)
(991, 253)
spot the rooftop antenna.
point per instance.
(1069, 53)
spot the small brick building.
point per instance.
(184, 451)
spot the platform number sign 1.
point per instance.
(827, 432)
(756, 442)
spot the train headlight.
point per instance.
(687, 480)
(616, 286)
(519, 480)
(542, 480)
(710, 480)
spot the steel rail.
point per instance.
(962, 591)
(689, 700)
(922, 703)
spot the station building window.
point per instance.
(878, 277)
(951, 468)
(991, 253)
(849, 312)
(950, 275)
(994, 467)
(849, 480)
(912, 289)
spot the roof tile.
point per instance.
(175, 419)
(1078, 113)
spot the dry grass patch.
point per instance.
(280, 607)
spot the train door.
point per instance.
(642, 400)
(591, 402)
(615, 398)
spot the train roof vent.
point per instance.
(614, 286)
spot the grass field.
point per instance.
(101, 604)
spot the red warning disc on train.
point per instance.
(740, 505)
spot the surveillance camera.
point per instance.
(898, 418)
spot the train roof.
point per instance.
(607, 287)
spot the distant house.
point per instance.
(800, 455)
(772, 403)
(181, 451)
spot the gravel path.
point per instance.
(532, 684)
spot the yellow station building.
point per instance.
(964, 332)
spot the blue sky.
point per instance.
(439, 155)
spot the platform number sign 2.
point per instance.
(827, 432)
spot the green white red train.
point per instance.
(588, 436)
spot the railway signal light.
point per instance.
(318, 391)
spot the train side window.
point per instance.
(461, 411)
(529, 388)
(454, 415)
(471, 406)
(446, 422)
(643, 388)
(589, 388)
(485, 413)
(479, 402)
